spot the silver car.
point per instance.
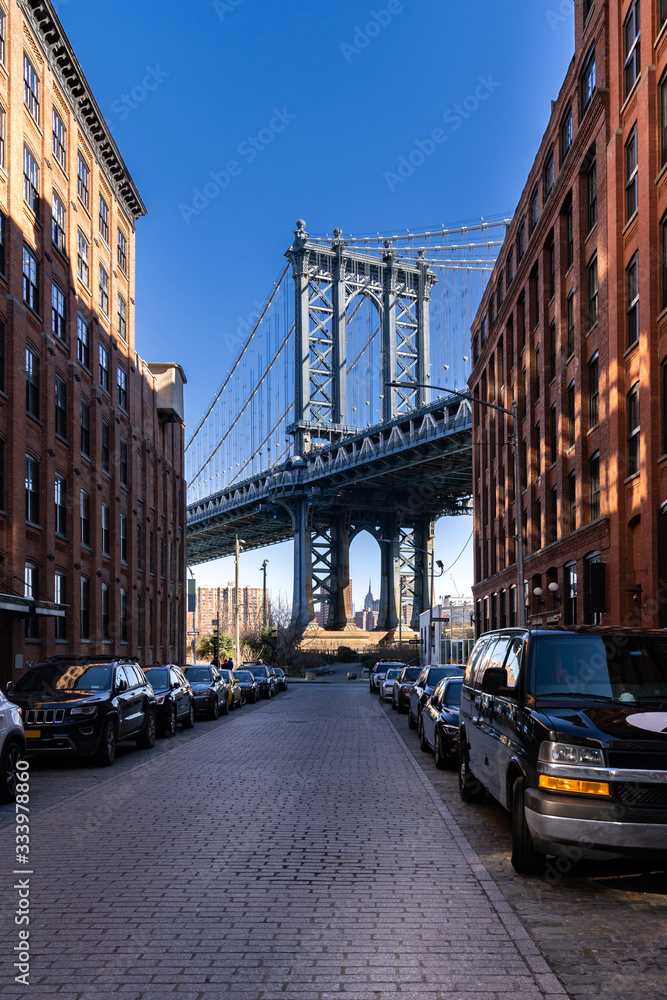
(387, 685)
(12, 748)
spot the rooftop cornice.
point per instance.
(58, 50)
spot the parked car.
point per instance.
(209, 690)
(424, 687)
(281, 678)
(173, 697)
(234, 693)
(403, 686)
(12, 748)
(567, 729)
(378, 673)
(264, 680)
(274, 677)
(248, 685)
(85, 705)
(387, 686)
(439, 722)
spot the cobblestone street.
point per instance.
(301, 849)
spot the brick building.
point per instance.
(218, 602)
(92, 539)
(574, 326)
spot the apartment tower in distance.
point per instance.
(92, 536)
(574, 326)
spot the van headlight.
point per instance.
(569, 753)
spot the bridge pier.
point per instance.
(340, 606)
(390, 582)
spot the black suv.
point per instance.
(265, 682)
(84, 705)
(173, 697)
(567, 728)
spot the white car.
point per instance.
(387, 684)
(12, 747)
(378, 674)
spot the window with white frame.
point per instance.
(30, 88)
(59, 140)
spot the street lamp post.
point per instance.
(237, 603)
(264, 603)
(514, 414)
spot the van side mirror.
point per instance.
(121, 686)
(494, 679)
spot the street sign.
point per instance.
(214, 622)
(414, 642)
(197, 632)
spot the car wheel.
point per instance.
(525, 859)
(189, 720)
(106, 751)
(440, 760)
(146, 741)
(423, 744)
(471, 788)
(411, 722)
(11, 755)
(172, 725)
(215, 711)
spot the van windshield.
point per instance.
(616, 668)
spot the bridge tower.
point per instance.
(329, 279)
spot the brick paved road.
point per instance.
(295, 851)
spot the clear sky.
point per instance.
(315, 102)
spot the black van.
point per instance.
(567, 728)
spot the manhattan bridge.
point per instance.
(307, 440)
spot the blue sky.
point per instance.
(315, 103)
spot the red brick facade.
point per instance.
(67, 408)
(570, 522)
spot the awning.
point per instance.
(26, 605)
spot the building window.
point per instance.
(30, 180)
(30, 88)
(593, 391)
(524, 467)
(554, 514)
(104, 220)
(566, 133)
(83, 259)
(30, 279)
(521, 240)
(61, 407)
(663, 262)
(60, 597)
(61, 504)
(538, 450)
(83, 181)
(85, 428)
(569, 236)
(122, 388)
(2, 356)
(58, 312)
(140, 548)
(122, 251)
(592, 195)
(551, 255)
(593, 292)
(3, 36)
(524, 389)
(662, 11)
(3, 136)
(663, 385)
(123, 616)
(106, 531)
(510, 267)
(548, 175)
(31, 489)
(632, 282)
(571, 416)
(31, 590)
(569, 313)
(104, 291)
(631, 174)
(84, 508)
(588, 82)
(3, 243)
(632, 47)
(534, 289)
(538, 389)
(533, 210)
(85, 608)
(105, 613)
(82, 341)
(588, 7)
(538, 525)
(633, 429)
(59, 140)
(122, 318)
(106, 447)
(140, 623)
(162, 558)
(123, 538)
(31, 383)
(123, 462)
(572, 498)
(483, 329)
(475, 348)
(58, 223)
(570, 582)
(500, 292)
(103, 367)
(594, 483)
(521, 321)
(553, 350)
